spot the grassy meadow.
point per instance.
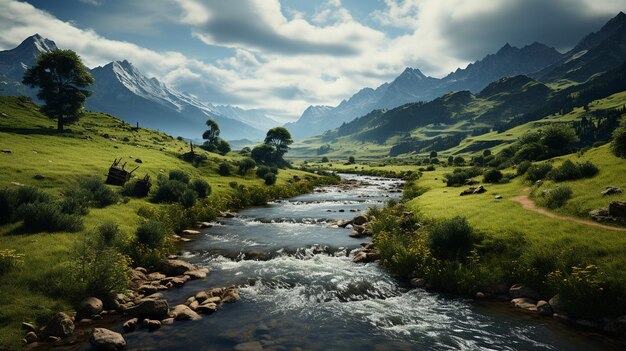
(35, 155)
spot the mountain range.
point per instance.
(597, 52)
(122, 90)
(592, 70)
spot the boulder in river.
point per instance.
(61, 326)
(106, 340)
(520, 290)
(544, 309)
(525, 303)
(176, 267)
(184, 313)
(150, 308)
(130, 325)
(359, 220)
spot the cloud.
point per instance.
(261, 26)
(91, 2)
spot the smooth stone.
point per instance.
(106, 340)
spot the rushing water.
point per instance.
(301, 290)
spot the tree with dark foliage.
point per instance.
(62, 80)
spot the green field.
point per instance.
(32, 148)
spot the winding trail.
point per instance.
(529, 205)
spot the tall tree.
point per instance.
(62, 80)
(280, 138)
(212, 134)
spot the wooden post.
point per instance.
(191, 146)
(137, 125)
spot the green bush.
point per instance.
(201, 187)
(522, 167)
(618, 146)
(246, 165)
(109, 232)
(40, 217)
(188, 198)
(538, 171)
(412, 190)
(459, 176)
(136, 189)
(224, 169)
(75, 202)
(177, 174)
(12, 199)
(270, 178)
(492, 176)
(100, 194)
(96, 267)
(169, 191)
(452, 238)
(151, 234)
(557, 197)
(570, 171)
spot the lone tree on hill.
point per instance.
(62, 79)
(212, 134)
(280, 138)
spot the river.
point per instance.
(301, 290)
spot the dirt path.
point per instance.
(529, 205)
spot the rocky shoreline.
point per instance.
(143, 307)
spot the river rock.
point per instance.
(611, 190)
(31, 337)
(207, 308)
(544, 309)
(197, 273)
(418, 282)
(617, 209)
(201, 296)
(230, 295)
(184, 313)
(61, 325)
(148, 289)
(156, 276)
(149, 308)
(520, 290)
(28, 327)
(213, 299)
(130, 325)
(556, 305)
(191, 232)
(525, 303)
(360, 257)
(227, 214)
(151, 324)
(359, 220)
(176, 267)
(106, 340)
(167, 321)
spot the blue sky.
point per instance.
(281, 56)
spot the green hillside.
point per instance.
(33, 154)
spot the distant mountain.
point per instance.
(122, 90)
(597, 52)
(412, 86)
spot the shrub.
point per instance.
(201, 187)
(136, 189)
(181, 176)
(169, 191)
(538, 171)
(459, 161)
(557, 197)
(618, 146)
(270, 178)
(570, 171)
(109, 232)
(412, 190)
(100, 194)
(224, 169)
(151, 234)
(96, 267)
(459, 176)
(40, 216)
(430, 168)
(523, 167)
(492, 176)
(75, 202)
(452, 238)
(188, 198)
(246, 165)
(324, 159)
(351, 160)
